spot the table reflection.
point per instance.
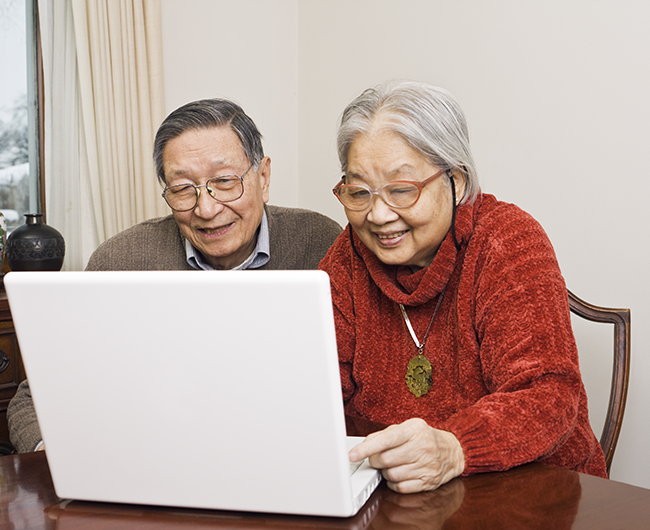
(532, 496)
(493, 501)
(429, 510)
(19, 498)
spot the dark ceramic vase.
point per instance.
(35, 246)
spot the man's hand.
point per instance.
(412, 456)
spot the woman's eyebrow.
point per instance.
(404, 168)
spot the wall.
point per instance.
(245, 51)
(556, 97)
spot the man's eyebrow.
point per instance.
(214, 165)
(178, 171)
(220, 162)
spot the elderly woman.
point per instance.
(451, 313)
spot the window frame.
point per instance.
(35, 114)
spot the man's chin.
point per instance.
(221, 259)
(224, 257)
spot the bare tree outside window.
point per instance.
(15, 48)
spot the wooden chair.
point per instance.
(620, 373)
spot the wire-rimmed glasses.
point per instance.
(185, 197)
(397, 194)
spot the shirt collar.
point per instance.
(260, 256)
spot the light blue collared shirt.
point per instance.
(260, 256)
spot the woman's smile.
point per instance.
(391, 239)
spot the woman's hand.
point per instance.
(412, 456)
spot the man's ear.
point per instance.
(264, 172)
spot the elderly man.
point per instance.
(208, 156)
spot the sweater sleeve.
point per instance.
(24, 432)
(536, 407)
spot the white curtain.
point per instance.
(104, 100)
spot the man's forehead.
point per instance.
(216, 146)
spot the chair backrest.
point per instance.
(620, 373)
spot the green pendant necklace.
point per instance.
(419, 376)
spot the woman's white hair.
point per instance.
(428, 118)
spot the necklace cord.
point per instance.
(453, 213)
(420, 345)
(354, 247)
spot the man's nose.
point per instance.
(206, 206)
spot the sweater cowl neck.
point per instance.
(401, 284)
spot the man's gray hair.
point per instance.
(428, 118)
(205, 114)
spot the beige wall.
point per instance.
(556, 94)
(245, 51)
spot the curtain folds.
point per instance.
(104, 100)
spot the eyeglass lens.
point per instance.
(397, 194)
(222, 189)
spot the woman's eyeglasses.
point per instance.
(397, 194)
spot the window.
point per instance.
(20, 190)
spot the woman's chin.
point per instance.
(391, 256)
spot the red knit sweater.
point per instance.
(506, 380)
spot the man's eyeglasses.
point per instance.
(397, 194)
(185, 197)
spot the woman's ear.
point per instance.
(460, 182)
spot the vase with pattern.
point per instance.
(35, 246)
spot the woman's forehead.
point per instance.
(387, 156)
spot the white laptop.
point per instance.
(195, 389)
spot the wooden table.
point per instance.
(531, 496)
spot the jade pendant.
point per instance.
(418, 375)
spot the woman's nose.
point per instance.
(380, 213)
